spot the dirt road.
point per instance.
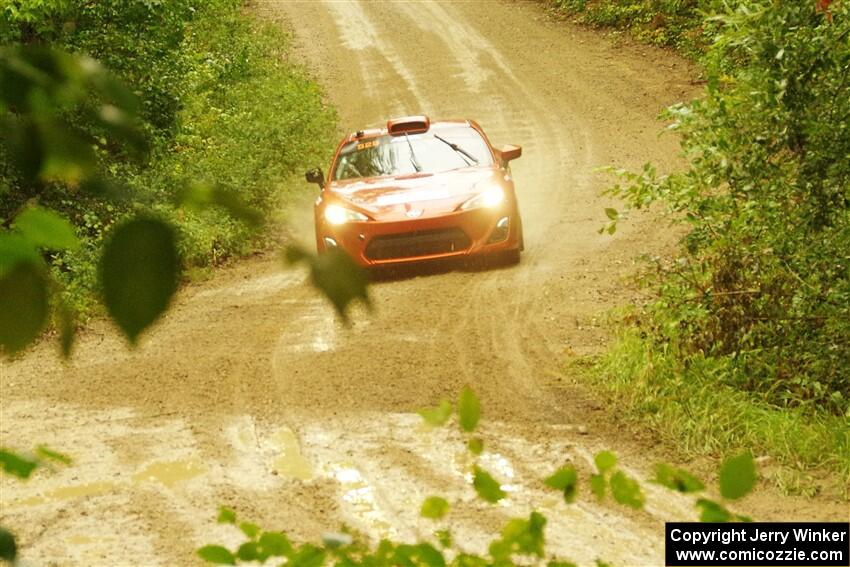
(251, 394)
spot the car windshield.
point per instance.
(432, 152)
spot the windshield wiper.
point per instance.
(468, 157)
(413, 159)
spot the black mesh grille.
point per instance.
(420, 243)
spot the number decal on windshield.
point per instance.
(367, 145)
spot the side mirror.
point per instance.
(316, 176)
(510, 152)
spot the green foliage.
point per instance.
(737, 476)
(40, 88)
(217, 555)
(250, 530)
(711, 511)
(139, 272)
(41, 138)
(24, 279)
(22, 467)
(47, 454)
(221, 121)
(46, 229)
(751, 325)
(469, 410)
(76, 140)
(23, 306)
(444, 537)
(565, 479)
(226, 516)
(520, 536)
(434, 507)
(626, 490)
(673, 23)
(8, 547)
(677, 479)
(692, 408)
(475, 445)
(605, 461)
(487, 487)
(746, 344)
(16, 465)
(198, 197)
(437, 416)
(275, 544)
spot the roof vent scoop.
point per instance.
(408, 125)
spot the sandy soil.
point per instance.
(250, 393)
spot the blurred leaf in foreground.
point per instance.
(486, 486)
(475, 445)
(199, 196)
(48, 454)
(437, 416)
(434, 507)
(15, 249)
(564, 479)
(711, 511)
(605, 461)
(677, 479)
(737, 476)
(217, 555)
(16, 465)
(248, 551)
(626, 490)
(226, 516)
(469, 410)
(525, 536)
(336, 275)
(8, 547)
(46, 229)
(274, 544)
(23, 305)
(139, 273)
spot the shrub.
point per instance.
(762, 285)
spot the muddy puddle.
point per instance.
(377, 468)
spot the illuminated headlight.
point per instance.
(336, 215)
(490, 198)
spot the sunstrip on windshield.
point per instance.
(408, 125)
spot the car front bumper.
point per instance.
(458, 234)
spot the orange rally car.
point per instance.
(418, 190)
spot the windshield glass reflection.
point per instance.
(391, 155)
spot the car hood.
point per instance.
(415, 196)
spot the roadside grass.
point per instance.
(692, 411)
(665, 23)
